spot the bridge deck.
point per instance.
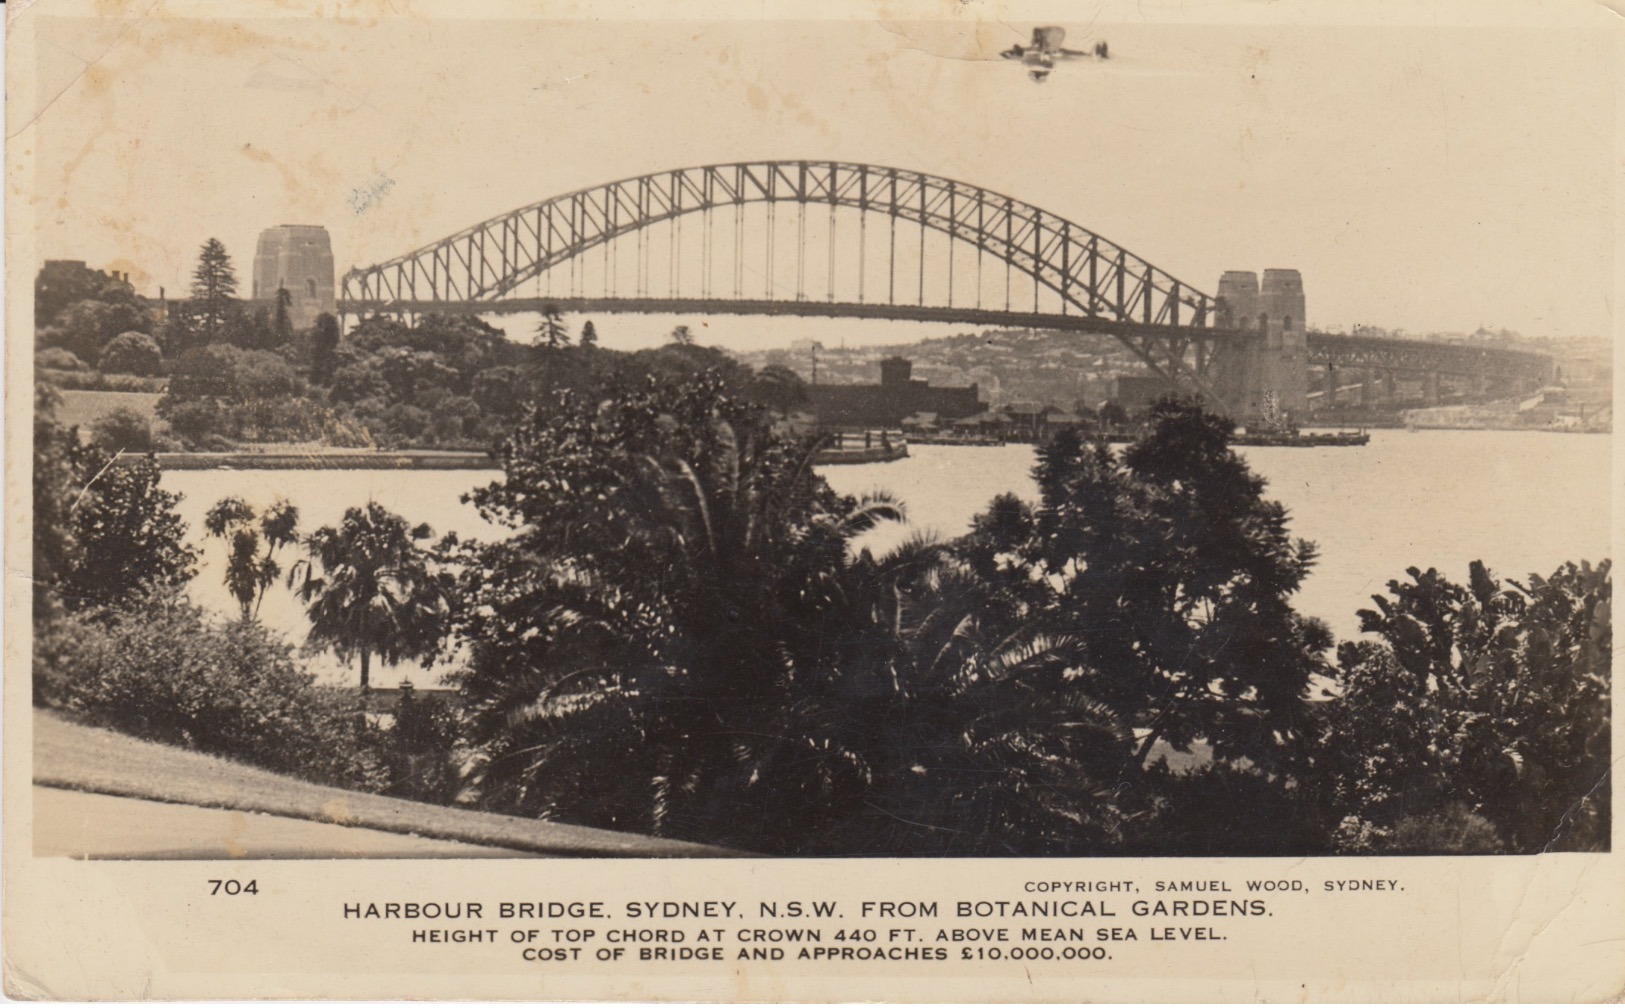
(807, 308)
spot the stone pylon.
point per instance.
(298, 257)
(1272, 361)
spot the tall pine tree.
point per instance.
(282, 321)
(552, 332)
(214, 290)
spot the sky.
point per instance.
(1420, 177)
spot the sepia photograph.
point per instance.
(611, 432)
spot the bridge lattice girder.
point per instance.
(1166, 322)
(1419, 357)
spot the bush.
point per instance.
(162, 670)
(198, 423)
(420, 749)
(85, 327)
(58, 359)
(132, 353)
(95, 381)
(125, 430)
(1489, 697)
(1221, 811)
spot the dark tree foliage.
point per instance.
(681, 605)
(589, 334)
(58, 359)
(972, 728)
(86, 327)
(1488, 700)
(103, 533)
(369, 589)
(1174, 573)
(132, 353)
(779, 387)
(282, 321)
(420, 749)
(254, 539)
(640, 645)
(125, 430)
(161, 669)
(220, 395)
(128, 536)
(60, 284)
(324, 343)
(551, 331)
(1113, 416)
(1221, 810)
(441, 381)
(80, 310)
(214, 291)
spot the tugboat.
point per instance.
(1278, 431)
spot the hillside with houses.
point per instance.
(1007, 365)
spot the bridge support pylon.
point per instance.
(1274, 364)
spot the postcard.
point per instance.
(976, 501)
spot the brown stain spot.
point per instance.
(139, 278)
(233, 837)
(218, 37)
(1255, 59)
(337, 811)
(73, 162)
(297, 184)
(97, 81)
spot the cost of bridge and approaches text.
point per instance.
(1062, 921)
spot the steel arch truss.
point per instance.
(1101, 286)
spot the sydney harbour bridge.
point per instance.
(840, 240)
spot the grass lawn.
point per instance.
(80, 758)
(83, 408)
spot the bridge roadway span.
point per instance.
(1375, 353)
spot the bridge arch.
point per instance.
(1092, 276)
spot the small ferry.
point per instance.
(1278, 431)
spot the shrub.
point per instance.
(420, 749)
(132, 353)
(1490, 697)
(95, 381)
(125, 430)
(58, 359)
(162, 670)
(1221, 810)
(85, 327)
(198, 423)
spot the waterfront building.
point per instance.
(898, 395)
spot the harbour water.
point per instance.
(1523, 502)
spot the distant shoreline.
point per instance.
(407, 460)
(323, 459)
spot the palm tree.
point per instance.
(249, 571)
(639, 646)
(980, 732)
(368, 588)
